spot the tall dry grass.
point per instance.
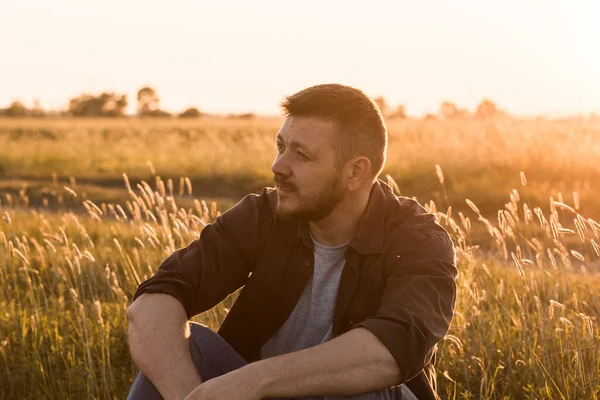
(228, 158)
(526, 324)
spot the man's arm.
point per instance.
(159, 345)
(190, 281)
(218, 263)
(355, 362)
(388, 348)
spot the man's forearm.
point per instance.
(353, 363)
(159, 344)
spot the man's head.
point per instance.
(333, 143)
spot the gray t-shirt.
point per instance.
(311, 322)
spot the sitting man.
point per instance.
(347, 288)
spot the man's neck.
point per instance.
(340, 226)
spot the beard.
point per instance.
(313, 207)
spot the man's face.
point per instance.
(308, 180)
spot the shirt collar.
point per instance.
(369, 236)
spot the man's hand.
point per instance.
(235, 385)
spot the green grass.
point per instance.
(66, 279)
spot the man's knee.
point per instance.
(205, 348)
(202, 333)
(202, 340)
(211, 354)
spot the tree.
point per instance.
(486, 109)
(103, 105)
(399, 112)
(37, 111)
(191, 112)
(16, 109)
(247, 115)
(381, 104)
(449, 110)
(158, 114)
(148, 100)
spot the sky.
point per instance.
(531, 57)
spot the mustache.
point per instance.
(280, 181)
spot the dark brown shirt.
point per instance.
(398, 280)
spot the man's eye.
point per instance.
(280, 147)
(302, 155)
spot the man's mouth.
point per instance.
(285, 188)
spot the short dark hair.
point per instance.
(360, 124)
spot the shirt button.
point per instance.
(307, 263)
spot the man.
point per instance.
(347, 287)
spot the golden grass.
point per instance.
(526, 323)
(228, 158)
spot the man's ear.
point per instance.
(359, 172)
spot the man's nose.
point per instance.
(280, 165)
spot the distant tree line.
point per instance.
(105, 104)
(18, 109)
(486, 109)
(111, 104)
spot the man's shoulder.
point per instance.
(407, 220)
(411, 232)
(252, 215)
(263, 202)
(267, 196)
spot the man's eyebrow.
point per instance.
(295, 144)
(302, 147)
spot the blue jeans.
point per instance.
(213, 357)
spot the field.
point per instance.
(77, 237)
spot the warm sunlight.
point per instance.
(315, 199)
(234, 56)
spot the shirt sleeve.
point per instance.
(218, 263)
(418, 301)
